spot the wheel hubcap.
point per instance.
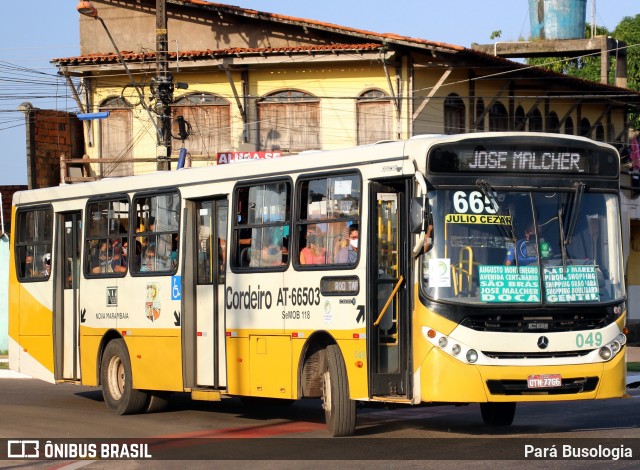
(326, 391)
(116, 378)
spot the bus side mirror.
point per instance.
(418, 215)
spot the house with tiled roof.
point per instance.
(264, 81)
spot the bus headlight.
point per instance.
(472, 356)
(442, 342)
(605, 353)
(455, 350)
(622, 339)
(615, 347)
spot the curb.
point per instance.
(10, 374)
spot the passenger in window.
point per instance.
(428, 236)
(141, 246)
(28, 268)
(222, 253)
(312, 253)
(148, 263)
(119, 262)
(349, 253)
(46, 261)
(174, 251)
(100, 259)
(271, 255)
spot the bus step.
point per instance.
(206, 395)
(390, 399)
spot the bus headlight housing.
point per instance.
(611, 349)
(605, 353)
(472, 356)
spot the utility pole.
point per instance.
(162, 88)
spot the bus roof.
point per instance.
(412, 151)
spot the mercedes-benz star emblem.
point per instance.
(543, 342)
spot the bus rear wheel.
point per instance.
(116, 380)
(498, 414)
(339, 409)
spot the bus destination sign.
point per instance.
(523, 161)
(546, 155)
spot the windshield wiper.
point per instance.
(563, 242)
(573, 215)
(488, 192)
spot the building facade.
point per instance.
(262, 81)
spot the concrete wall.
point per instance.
(133, 28)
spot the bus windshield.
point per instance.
(552, 248)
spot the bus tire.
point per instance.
(498, 414)
(116, 379)
(339, 409)
(156, 402)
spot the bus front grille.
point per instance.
(523, 323)
(534, 355)
(519, 387)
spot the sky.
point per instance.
(36, 31)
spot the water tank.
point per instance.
(557, 19)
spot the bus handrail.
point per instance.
(386, 305)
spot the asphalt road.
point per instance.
(198, 432)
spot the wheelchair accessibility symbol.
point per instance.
(176, 287)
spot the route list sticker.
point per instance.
(579, 284)
(509, 283)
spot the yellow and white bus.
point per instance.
(482, 268)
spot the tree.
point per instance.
(628, 30)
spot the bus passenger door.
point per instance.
(66, 285)
(389, 315)
(211, 217)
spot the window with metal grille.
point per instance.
(374, 117)
(454, 114)
(116, 138)
(289, 121)
(209, 123)
(498, 118)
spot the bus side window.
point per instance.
(329, 209)
(107, 233)
(157, 239)
(262, 227)
(33, 243)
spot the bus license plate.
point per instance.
(544, 381)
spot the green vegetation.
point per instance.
(633, 366)
(588, 67)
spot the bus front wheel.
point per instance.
(339, 409)
(116, 379)
(498, 414)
